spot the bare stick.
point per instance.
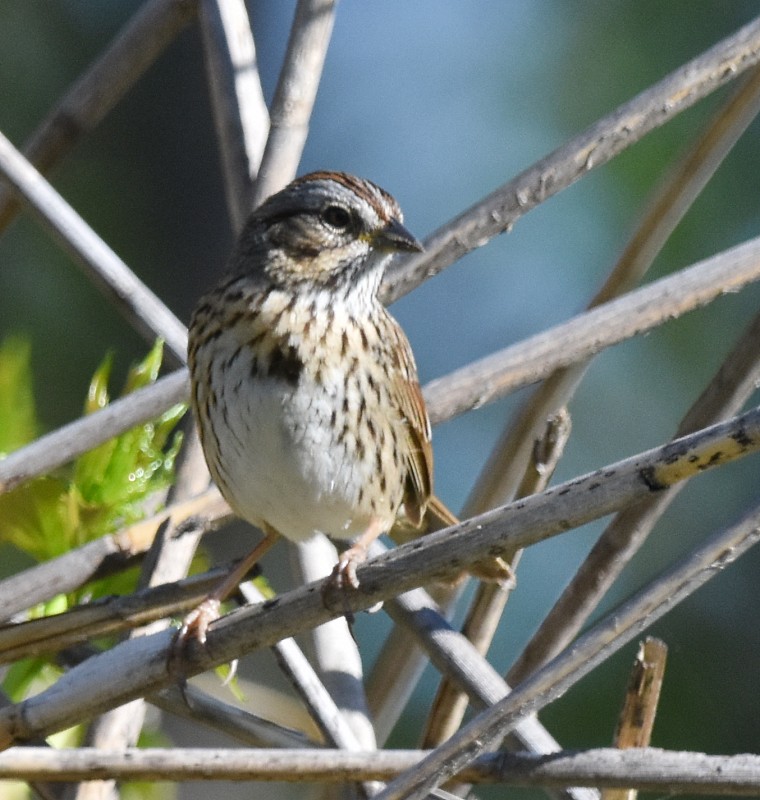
(322, 708)
(636, 720)
(660, 771)
(295, 95)
(589, 333)
(193, 704)
(649, 769)
(138, 304)
(642, 695)
(137, 46)
(240, 112)
(594, 147)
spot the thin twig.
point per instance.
(606, 637)
(147, 34)
(137, 304)
(642, 695)
(661, 771)
(240, 112)
(295, 95)
(636, 721)
(591, 332)
(193, 704)
(135, 668)
(330, 719)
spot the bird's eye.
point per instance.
(337, 217)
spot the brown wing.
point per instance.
(419, 483)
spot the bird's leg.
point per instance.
(197, 621)
(345, 570)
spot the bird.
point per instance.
(304, 387)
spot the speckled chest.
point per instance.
(296, 406)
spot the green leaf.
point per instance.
(18, 420)
(37, 518)
(108, 486)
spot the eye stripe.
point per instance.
(381, 202)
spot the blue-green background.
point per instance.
(440, 102)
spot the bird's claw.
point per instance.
(194, 626)
(344, 573)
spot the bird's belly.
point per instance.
(285, 462)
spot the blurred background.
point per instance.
(439, 102)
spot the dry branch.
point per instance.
(642, 696)
(240, 113)
(250, 729)
(648, 769)
(295, 95)
(138, 304)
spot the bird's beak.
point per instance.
(394, 236)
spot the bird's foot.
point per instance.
(344, 573)
(194, 627)
(495, 570)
